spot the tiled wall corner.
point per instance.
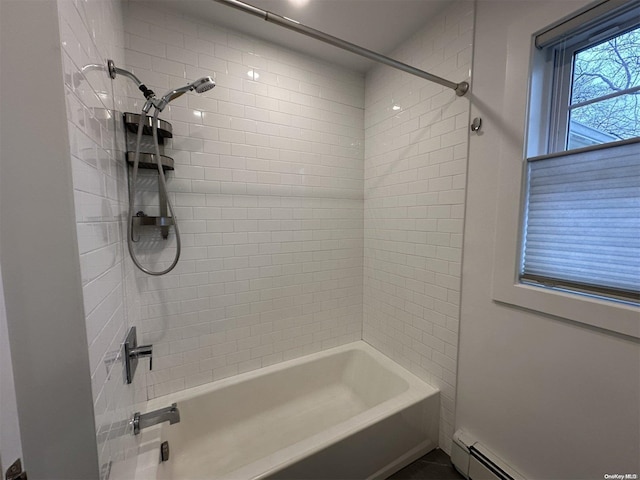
(92, 32)
(415, 168)
(268, 188)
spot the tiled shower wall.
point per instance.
(268, 188)
(415, 166)
(91, 33)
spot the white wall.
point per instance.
(554, 398)
(415, 173)
(10, 444)
(39, 254)
(268, 190)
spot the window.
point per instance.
(581, 227)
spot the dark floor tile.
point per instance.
(435, 465)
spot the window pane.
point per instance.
(606, 68)
(606, 121)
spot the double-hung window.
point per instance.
(581, 222)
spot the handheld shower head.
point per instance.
(201, 85)
(204, 84)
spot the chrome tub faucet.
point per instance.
(169, 414)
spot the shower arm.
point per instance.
(147, 92)
(460, 88)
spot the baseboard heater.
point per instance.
(476, 462)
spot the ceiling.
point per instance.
(378, 25)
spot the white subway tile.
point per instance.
(146, 45)
(435, 203)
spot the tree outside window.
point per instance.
(605, 96)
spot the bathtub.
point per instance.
(344, 413)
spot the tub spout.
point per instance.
(169, 414)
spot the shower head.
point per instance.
(201, 85)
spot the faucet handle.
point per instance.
(135, 423)
(132, 353)
(141, 352)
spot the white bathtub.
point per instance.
(345, 413)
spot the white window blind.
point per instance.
(582, 228)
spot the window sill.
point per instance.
(612, 316)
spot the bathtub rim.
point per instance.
(418, 390)
(412, 380)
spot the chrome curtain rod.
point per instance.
(460, 88)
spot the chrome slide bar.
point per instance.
(460, 88)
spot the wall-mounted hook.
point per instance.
(476, 124)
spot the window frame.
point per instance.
(560, 71)
(525, 74)
(562, 74)
(556, 62)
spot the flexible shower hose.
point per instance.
(163, 186)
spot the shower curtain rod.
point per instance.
(460, 88)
